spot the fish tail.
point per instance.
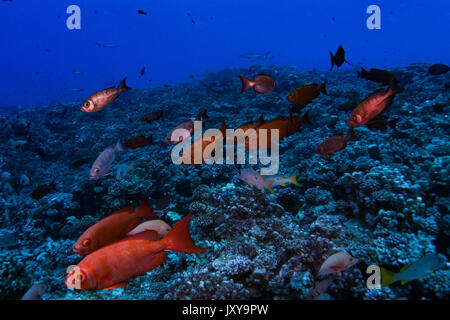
(351, 135)
(393, 124)
(323, 88)
(119, 146)
(150, 139)
(270, 187)
(293, 178)
(332, 60)
(144, 211)
(305, 118)
(387, 277)
(123, 86)
(179, 239)
(393, 86)
(246, 83)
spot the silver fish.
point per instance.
(101, 164)
(104, 97)
(257, 56)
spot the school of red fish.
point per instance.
(120, 246)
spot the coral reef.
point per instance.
(384, 199)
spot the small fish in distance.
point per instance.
(438, 69)
(138, 142)
(262, 84)
(335, 143)
(338, 58)
(42, 191)
(377, 75)
(142, 12)
(101, 165)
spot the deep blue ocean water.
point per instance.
(40, 55)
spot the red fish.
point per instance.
(138, 142)
(112, 266)
(335, 143)
(373, 105)
(262, 83)
(104, 97)
(286, 127)
(302, 96)
(111, 228)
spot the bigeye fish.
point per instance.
(416, 270)
(335, 143)
(336, 263)
(373, 105)
(253, 178)
(104, 97)
(262, 84)
(100, 168)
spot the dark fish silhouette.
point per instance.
(438, 69)
(338, 58)
(378, 75)
(152, 116)
(138, 142)
(142, 12)
(382, 123)
(142, 72)
(42, 191)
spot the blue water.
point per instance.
(39, 54)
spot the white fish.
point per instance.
(253, 178)
(100, 168)
(336, 263)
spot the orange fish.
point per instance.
(104, 97)
(112, 266)
(111, 228)
(286, 127)
(373, 105)
(335, 143)
(262, 83)
(302, 96)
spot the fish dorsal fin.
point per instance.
(404, 268)
(260, 121)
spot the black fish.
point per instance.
(142, 72)
(377, 75)
(193, 22)
(42, 191)
(382, 123)
(142, 12)
(438, 69)
(338, 58)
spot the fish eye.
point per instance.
(97, 170)
(86, 242)
(86, 104)
(80, 277)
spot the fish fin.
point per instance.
(293, 178)
(117, 285)
(404, 268)
(119, 146)
(387, 277)
(403, 282)
(179, 239)
(123, 86)
(393, 124)
(150, 139)
(223, 129)
(351, 135)
(323, 88)
(260, 121)
(270, 187)
(305, 118)
(332, 60)
(246, 83)
(144, 211)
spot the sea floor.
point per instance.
(384, 199)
